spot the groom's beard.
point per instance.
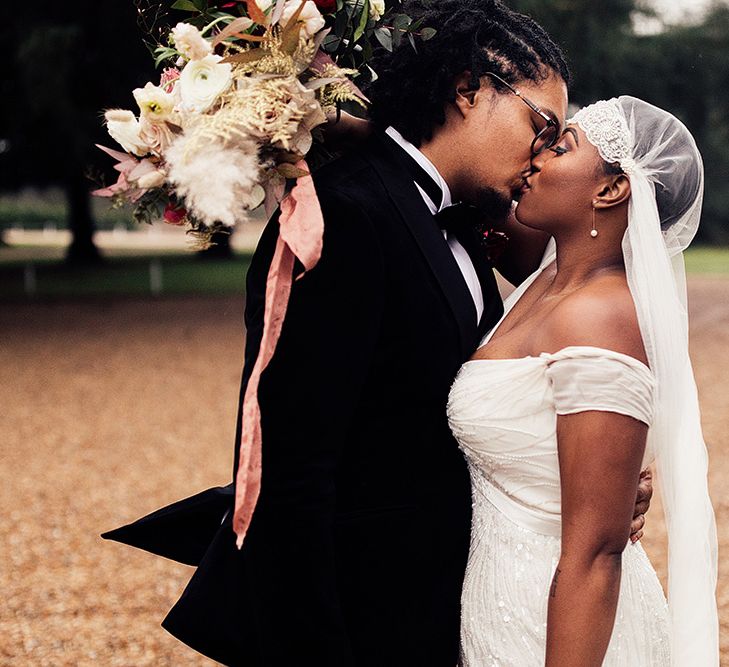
(494, 205)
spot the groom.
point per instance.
(358, 546)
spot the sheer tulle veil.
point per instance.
(665, 169)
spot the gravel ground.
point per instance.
(114, 408)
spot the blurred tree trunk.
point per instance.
(80, 221)
(57, 120)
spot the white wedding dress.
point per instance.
(503, 413)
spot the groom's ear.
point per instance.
(614, 192)
(465, 93)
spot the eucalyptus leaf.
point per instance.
(384, 37)
(428, 33)
(186, 6)
(331, 43)
(401, 22)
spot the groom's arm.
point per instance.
(308, 397)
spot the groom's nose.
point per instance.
(534, 168)
(537, 162)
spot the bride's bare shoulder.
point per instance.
(600, 314)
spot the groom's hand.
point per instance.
(642, 503)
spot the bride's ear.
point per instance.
(613, 193)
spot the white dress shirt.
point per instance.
(459, 252)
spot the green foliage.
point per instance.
(181, 274)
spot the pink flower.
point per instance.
(130, 171)
(168, 78)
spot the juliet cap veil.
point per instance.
(664, 166)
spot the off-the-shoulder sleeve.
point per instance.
(591, 378)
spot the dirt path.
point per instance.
(114, 409)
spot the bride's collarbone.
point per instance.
(525, 329)
(518, 341)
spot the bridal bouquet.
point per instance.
(227, 129)
(229, 123)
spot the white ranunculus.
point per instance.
(124, 128)
(310, 16)
(190, 42)
(202, 81)
(155, 104)
(263, 5)
(377, 9)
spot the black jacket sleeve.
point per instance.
(308, 397)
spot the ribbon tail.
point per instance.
(248, 478)
(301, 232)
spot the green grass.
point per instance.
(703, 260)
(33, 209)
(128, 276)
(185, 273)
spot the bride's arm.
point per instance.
(600, 455)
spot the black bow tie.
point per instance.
(459, 218)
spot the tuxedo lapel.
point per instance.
(493, 306)
(419, 220)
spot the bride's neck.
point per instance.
(580, 259)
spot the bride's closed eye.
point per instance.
(569, 135)
(564, 142)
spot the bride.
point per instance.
(584, 382)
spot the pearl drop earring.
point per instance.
(593, 233)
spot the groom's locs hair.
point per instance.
(477, 36)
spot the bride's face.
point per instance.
(563, 185)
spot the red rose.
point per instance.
(326, 6)
(174, 215)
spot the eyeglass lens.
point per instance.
(546, 138)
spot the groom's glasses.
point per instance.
(549, 134)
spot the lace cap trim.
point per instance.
(606, 128)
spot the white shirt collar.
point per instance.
(427, 165)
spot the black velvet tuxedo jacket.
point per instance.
(358, 546)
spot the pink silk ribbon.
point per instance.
(301, 232)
